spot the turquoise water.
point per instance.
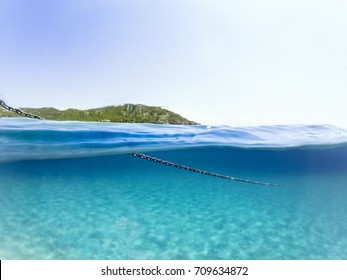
(58, 202)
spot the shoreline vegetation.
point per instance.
(127, 113)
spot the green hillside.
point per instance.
(127, 113)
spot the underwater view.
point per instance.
(75, 190)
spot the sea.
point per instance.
(74, 190)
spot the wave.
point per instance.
(22, 138)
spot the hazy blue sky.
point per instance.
(215, 62)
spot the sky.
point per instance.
(217, 62)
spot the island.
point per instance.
(127, 113)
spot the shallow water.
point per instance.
(121, 207)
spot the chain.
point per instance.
(179, 166)
(18, 111)
(153, 159)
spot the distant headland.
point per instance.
(127, 113)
